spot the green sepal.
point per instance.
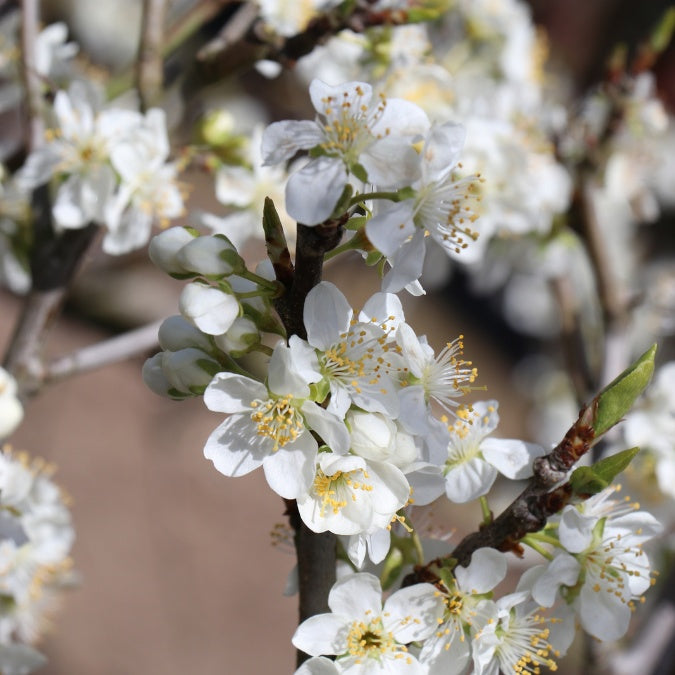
(373, 258)
(616, 399)
(318, 391)
(178, 395)
(447, 577)
(343, 203)
(589, 480)
(391, 568)
(360, 173)
(356, 223)
(406, 193)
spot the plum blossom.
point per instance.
(269, 426)
(515, 637)
(350, 495)
(353, 133)
(448, 651)
(36, 536)
(443, 207)
(425, 377)
(366, 636)
(353, 356)
(473, 460)
(603, 568)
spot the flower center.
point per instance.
(277, 419)
(347, 124)
(336, 490)
(370, 640)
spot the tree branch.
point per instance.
(316, 553)
(150, 64)
(104, 353)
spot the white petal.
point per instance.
(331, 428)
(486, 569)
(290, 470)
(512, 458)
(356, 595)
(283, 379)
(603, 615)
(326, 97)
(423, 603)
(233, 393)
(385, 173)
(563, 570)
(469, 480)
(327, 315)
(209, 308)
(407, 264)
(391, 227)
(321, 634)
(312, 192)
(281, 140)
(441, 150)
(234, 447)
(576, 530)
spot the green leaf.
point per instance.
(616, 399)
(589, 480)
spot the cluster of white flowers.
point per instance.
(109, 166)
(36, 536)
(595, 571)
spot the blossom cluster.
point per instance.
(595, 571)
(109, 166)
(35, 543)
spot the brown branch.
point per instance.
(150, 64)
(532, 508)
(287, 50)
(54, 261)
(316, 553)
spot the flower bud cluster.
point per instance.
(215, 324)
(35, 543)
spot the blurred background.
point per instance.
(177, 568)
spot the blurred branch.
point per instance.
(232, 32)
(572, 338)
(150, 65)
(119, 348)
(54, 261)
(30, 22)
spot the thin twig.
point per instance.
(150, 65)
(30, 22)
(572, 339)
(54, 261)
(119, 348)
(233, 31)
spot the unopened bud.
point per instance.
(242, 335)
(164, 248)
(210, 256)
(210, 309)
(177, 333)
(189, 369)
